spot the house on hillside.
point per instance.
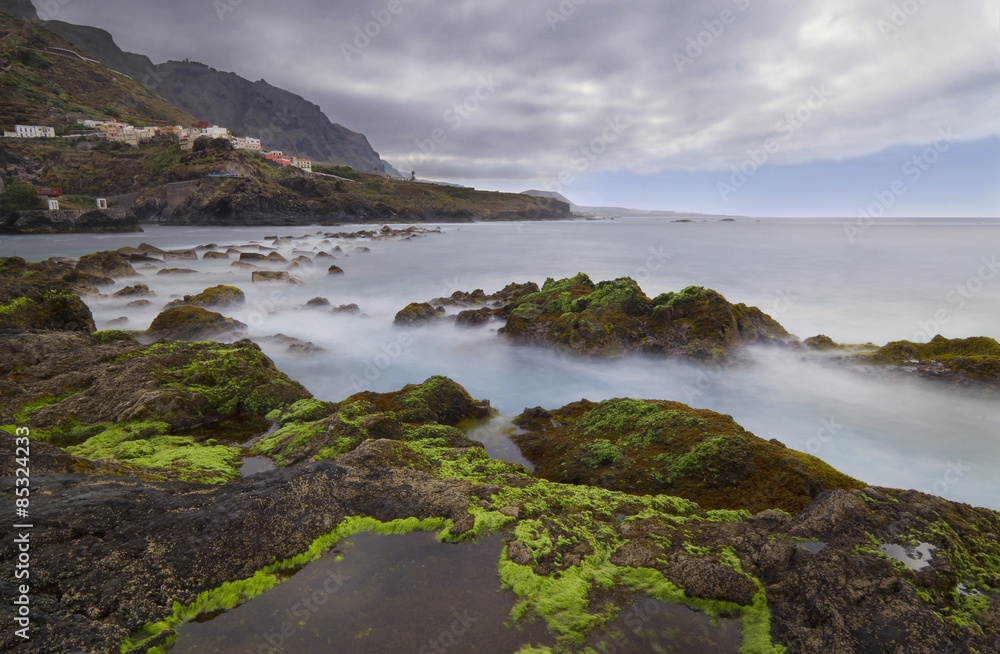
(248, 143)
(31, 132)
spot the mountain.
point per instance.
(48, 80)
(281, 119)
(18, 8)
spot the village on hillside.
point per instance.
(118, 132)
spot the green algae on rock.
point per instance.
(969, 362)
(428, 411)
(106, 396)
(647, 446)
(39, 308)
(415, 313)
(110, 264)
(191, 323)
(614, 318)
(216, 296)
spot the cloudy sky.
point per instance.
(751, 107)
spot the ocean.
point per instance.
(856, 282)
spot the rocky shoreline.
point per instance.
(68, 221)
(142, 520)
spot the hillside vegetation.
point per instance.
(44, 81)
(257, 192)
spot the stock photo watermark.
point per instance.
(958, 298)
(365, 35)
(953, 474)
(448, 638)
(786, 128)
(913, 170)
(299, 614)
(899, 16)
(706, 38)
(583, 157)
(562, 12)
(453, 118)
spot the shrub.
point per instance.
(21, 197)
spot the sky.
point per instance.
(858, 108)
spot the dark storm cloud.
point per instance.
(483, 89)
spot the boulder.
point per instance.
(216, 296)
(415, 313)
(110, 264)
(193, 323)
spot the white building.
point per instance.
(304, 164)
(215, 132)
(248, 143)
(34, 132)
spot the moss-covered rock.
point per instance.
(42, 308)
(646, 446)
(193, 323)
(415, 313)
(418, 412)
(109, 395)
(613, 318)
(270, 276)
(973, 362)
(138, 290)
(106, 263)
(215, 297)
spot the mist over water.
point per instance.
(895, 280)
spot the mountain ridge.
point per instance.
(281, 119)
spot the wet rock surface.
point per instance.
(190, 323)
(655, 446)
(138, 508)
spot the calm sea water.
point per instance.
(889, 281)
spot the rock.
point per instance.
(215, 255)
(28, 307)
(964, 362)
(146, 248)
(122, 320)
(347, 308)
(660, 447)
(51, 274)
(519, 553)
(360, 250)
(415, 313)
(703, 578)
(139, 304)
(181, 254)
(139, 290)
(106, 263)
(415, 413)
(216, 296)
(252, 256)
(242, 265)
(616, 317)
(324, 255)
(384, 452)
(274, 257)
(306, 348)
(193, 323)
(317, 302)
(259, 276)
(475, 317)
(821, 342)
(177, 271)
(335, 270)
